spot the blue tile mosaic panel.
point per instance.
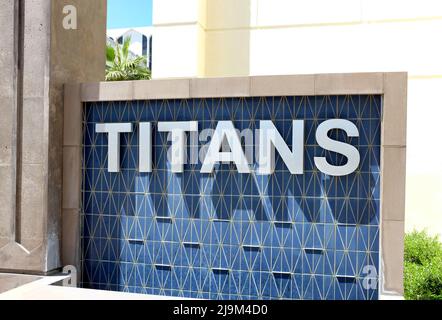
(228, 235)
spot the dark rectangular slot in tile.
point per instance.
(163, 266)
(340, 224)
(346, 279)
(136, 241)
(195, 245)
(314, 250)
(220, 270)
(284, 224)
(251, 247)
(164, 219)
(221, 220)
(282, 274)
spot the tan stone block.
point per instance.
(72, 177)
(7, 40)
(4, 241)
(393, 183)
(7, 92)
(349, 83)
(33, 130)
(7, 213)
(31, 244)
(52, 252)
(302, 85)
(220, 87)
(32, 215)
(52, 57)
(71, 237)
(394, 122)
(162, 89)
(6, 132)
(67, 55)
(107, 91)
(36, 60)
(14, 257)
(392, 241)
(73, 116)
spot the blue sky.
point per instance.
(129, 13)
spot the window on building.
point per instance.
(144, 46)
(150, 53)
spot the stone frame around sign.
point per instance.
(392, 86)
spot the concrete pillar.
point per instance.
(8, 68)
(38, 55)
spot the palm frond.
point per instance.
(120, 65)
(110, 53)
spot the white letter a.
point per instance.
(70, 20)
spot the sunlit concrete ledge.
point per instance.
(29, 287)
(255, 86)
(43, 288)
(391, 296)
(10, 281)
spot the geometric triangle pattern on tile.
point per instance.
(228, 235)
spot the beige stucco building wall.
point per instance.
(265, 37)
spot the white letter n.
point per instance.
(270, 139)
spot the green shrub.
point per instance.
(420, 248)
(423, 267)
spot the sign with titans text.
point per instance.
(269, 140)
(233, 198)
